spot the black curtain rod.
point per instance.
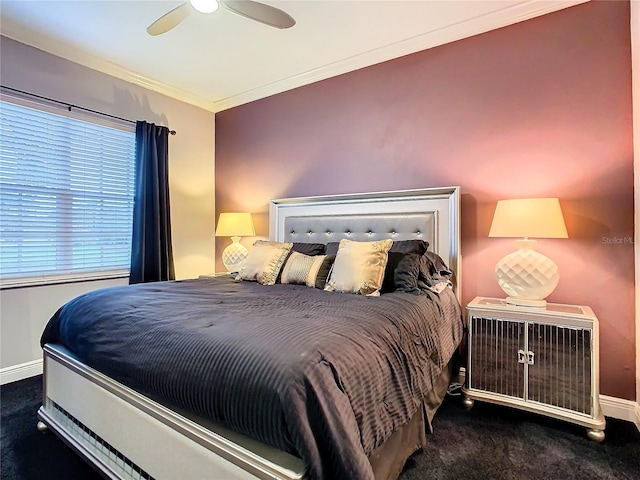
(70, 106)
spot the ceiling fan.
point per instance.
(259, 12)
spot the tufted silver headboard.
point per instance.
(431, 214)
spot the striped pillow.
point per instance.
(311, 271)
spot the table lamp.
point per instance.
(235, 225)
(527, 276)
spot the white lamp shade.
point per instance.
(527, 276)
(235, 225)
(528, 217)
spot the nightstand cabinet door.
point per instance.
(560, 374)
(493, 354)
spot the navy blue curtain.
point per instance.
(151, 251)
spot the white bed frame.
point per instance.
(126, 435)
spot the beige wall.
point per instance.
(24, 312)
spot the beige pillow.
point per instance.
(303, 269)
(264, 262)
(359, 267)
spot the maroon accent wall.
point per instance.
(540, 108)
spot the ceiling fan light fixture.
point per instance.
(260, 12)
(205, 6)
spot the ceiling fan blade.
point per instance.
(170, 19)
(260, 12)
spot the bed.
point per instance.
(229, 379)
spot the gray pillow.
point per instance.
(433, 270)
(397, 253)
(310, 249)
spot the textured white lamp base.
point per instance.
(527, 276)
(234, 255)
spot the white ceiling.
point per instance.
(221, 60)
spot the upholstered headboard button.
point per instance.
(365, 227)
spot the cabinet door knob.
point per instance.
(530, 357)
(522, 356)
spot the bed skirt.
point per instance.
(389, 459)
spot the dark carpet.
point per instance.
(487, 442)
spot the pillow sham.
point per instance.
(264, 262)
(400, 246)
(331, 248)
(308, 248)
(359, 267)
(433, 270)
(312, 271)
(397, 253)
(325, 269)
(410, 246)
(406, 273)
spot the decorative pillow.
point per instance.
(264, 262)
(433, 270)
(359, 267)
(406, 273)
(399, 246)
(311, 271)
(410, 246)
(325, 269)
(331, 248)
(397, 253)
(308, 248)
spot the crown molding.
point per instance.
(73, 54)
(458, 31)
(474, 26)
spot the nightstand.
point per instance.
(542, 360)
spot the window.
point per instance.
(66, 196)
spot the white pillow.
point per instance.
(359, 267)
(264, 262)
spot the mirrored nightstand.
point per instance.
(543, 360)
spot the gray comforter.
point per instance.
(325, 376)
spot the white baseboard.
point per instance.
(20, 372)
(621, 409)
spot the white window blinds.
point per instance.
(66, 197)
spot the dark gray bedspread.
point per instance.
(326, 376)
